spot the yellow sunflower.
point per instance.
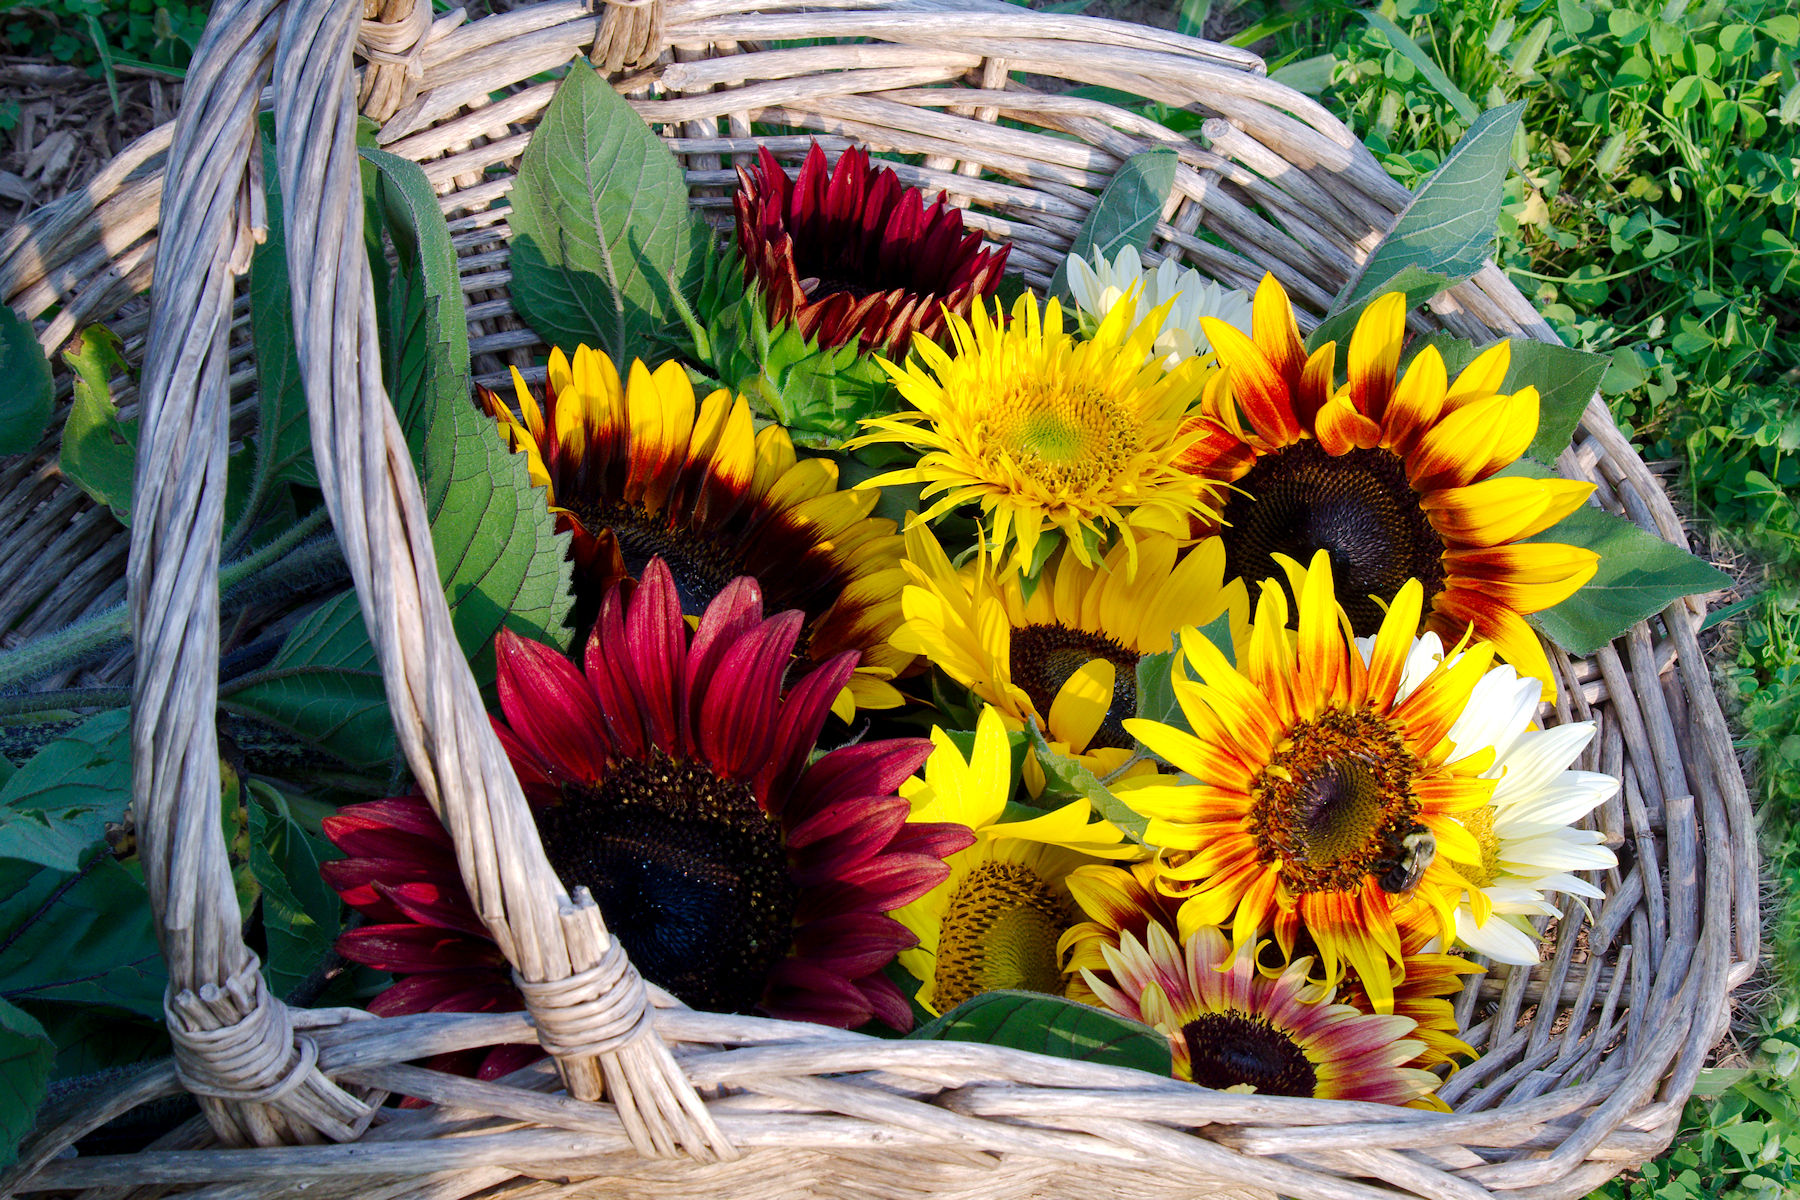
(1310, 773)
(636, 470)
(1048, 432)
(1397, 476)
(994, 923)
(1065, 651)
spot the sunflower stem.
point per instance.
(22, 703)
(1137, 756)
(73, 643)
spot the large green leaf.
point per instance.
(30, 394)
(1126, 212)
(1052, 1025)
(601, 238)
(301, 915)
(25, 1056)
(1565, 380)
(98, 450)
(1639, 574)
(55, 809)
(283, 436)
(79, 938)
(1443, 234)
(1067, 779)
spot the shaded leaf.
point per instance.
(1067, 778)
(283, 436)
(301, 915)
(1443, 234)
(1640, 574)
(600, 226)
(25, 1055)
(54, 810)
(30, 394)
(1126, 212)
(98, 450)
(83, 938)
(1052, 1025)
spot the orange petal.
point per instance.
(1374, 357)
(1417, 403)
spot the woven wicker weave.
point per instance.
(1586, 1060)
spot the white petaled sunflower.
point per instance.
(1098, 286)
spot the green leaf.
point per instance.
(1443, 234)
(324, 686)
(1067, 778)
(283, 436)
(1640, 574)
(1565, 380)
(25, 1056)
(82, 938)
(1052, 1025)
(601, 238)
(301, 915)
(97, 449)
(30, 394)
(1310, 76)
(1465, 107)
(1126, 212)
(1156, 691)
(55, 809)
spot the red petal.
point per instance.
(607, 667)
(435, 903)
(413, 948)
(550, 707)
(853, 944)
(864, 830)
(738, 709)
(354, 880)
(889, 1004)
(656, 639)
(865, 769)
(800, 991)
(386, 828)
(803, 715)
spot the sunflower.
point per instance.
(849, 255)
(1398, 477)
(994, 923)
(1528, 843)
(1066, 654)
(1310, 776)
(1099, 285)
(1048, 432)
(634, 471)
(677, 783)
(1124, 899)
(1231, 1028)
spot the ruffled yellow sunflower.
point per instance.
(1065, 651)
(1048, 432)
(994, 923)
(636, 469)
(1318, 797)
(1397, 476)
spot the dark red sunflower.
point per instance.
(848, 254)
(675, 780)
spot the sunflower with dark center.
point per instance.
(1124, 900)
(637, 470)
(1308, 764)
(1232, 1029)
(847, 254)
(1397, 477)
(995, 922)
(1064, 651)
(674, 780)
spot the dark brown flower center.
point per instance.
(689, 872)
(999, 931)
(1043, 657)
(702, 564)
(1333, 799)
(1358, 507)
(1229, 1049)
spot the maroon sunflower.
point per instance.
(847, 254)
(676, 782)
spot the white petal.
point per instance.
(1565, 800)
(1559, 854)
(1539, 756)
(1569, 885)
(1499, 939)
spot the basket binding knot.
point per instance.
(630, 35)
(393, 37)
(237, 1045)
(592, 1012)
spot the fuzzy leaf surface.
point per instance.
(1052, 1025)
(30, 394)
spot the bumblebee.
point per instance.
(1408, 856)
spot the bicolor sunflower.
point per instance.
(1397, 476)
(675, 778)
(1063, 652)
(1230, 1028)
(847, 254)
(1188, 295)
(636, 469)
(1309, 774)
(1049, 432)
(994, 922)
(1529, 844)
(1121, 900)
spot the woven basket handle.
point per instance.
(235, 1044)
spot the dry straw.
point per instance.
(1587, 1059)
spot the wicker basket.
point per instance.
(1587, 1059)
